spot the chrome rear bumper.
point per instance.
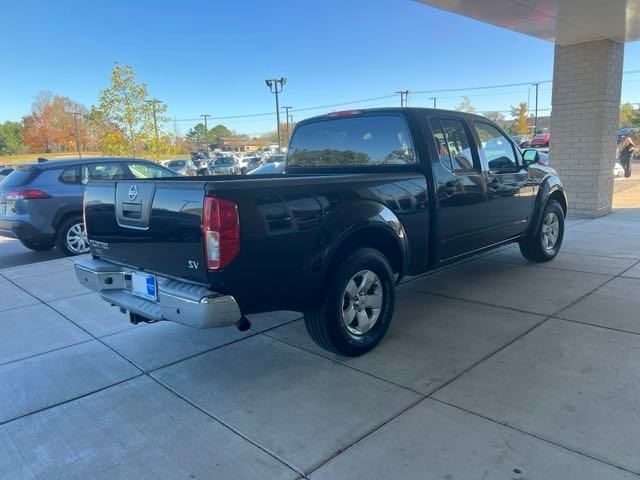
(186, 303)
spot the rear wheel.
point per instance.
(72, 237)
(544, 244)
(37, 246)
(357, 307)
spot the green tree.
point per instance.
(11, 141)
(629, 116)
(124, 104)
(465, 106)
(521, 125)
(196, 134)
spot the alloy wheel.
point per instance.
(362, 302)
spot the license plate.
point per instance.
(144, 285)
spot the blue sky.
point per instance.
(212, 57)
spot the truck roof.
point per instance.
(401, 110)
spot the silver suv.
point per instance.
(41, 203)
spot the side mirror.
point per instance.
(530, 157)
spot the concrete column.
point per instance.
(587, 79)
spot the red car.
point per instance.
(540, 140)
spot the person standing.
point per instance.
(627, 148)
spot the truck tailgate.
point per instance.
(149, 225)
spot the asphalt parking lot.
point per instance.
(495, 368)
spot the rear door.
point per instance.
(150, 225)
(510, 188)
(460, 188)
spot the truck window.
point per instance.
(353, 142)
(456, 144)
(498, 151)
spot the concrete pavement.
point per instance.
(495, 368)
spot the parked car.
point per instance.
(523, 141)
(183, 167)
(269, 168)
(276, 158)
(368, 196)
(540, 141)
(223, 166)
(626, 132)
(4, 172)
(41, 203)
(248, 164)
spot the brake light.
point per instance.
(29, 194)
(344, 113)
(221, 232)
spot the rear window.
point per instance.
(19, 177)
(177, 163)
(352, 142)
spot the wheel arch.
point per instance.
(368, 224)
(550, 189)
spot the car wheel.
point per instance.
(72, 237)
(37, 246)
(546, 241)
(357, 306)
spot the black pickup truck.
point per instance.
(367, 197)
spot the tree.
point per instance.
(629, 116)
(196, 134)
(521, 125)
(125, 105)
(11, 138)
(465, 106)
(272, 137)
(496, 117)
(50, 126)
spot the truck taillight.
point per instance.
(220, 231)
(28, 194)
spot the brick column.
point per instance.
(587, 79)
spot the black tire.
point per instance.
(534, 247)
(62, 243)
(37, 246)
(325, 323)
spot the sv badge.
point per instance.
(192, 264)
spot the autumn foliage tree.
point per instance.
(50, 126)
(127, 114)
(521, 125)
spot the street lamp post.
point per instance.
(535, 122)
(275, 85)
